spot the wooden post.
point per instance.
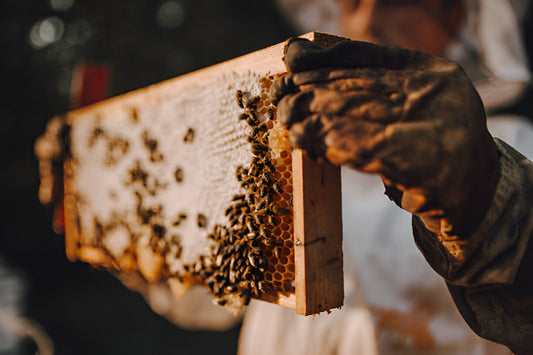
(317, 235)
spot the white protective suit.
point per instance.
(394, 302)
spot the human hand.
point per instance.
(414, 119)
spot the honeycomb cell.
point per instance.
(278, 276)
(290, 268)
(287, 174)
(286, 219)
(280, 268)
(268, 276)
(284, 260)
(285, 252)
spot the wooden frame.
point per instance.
(316, 194)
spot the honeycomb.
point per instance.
(189, 182)
(254, 254)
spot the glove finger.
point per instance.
(408, 154)
(351, 143)
(331, 137)
(303, 55)
(294, 108)
(309, 135)
(352, 106)
(280, 87)
(367, 76)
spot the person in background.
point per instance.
(419, 125)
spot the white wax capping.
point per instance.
(110, 147)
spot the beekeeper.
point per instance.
(417, 122)
(411, 125)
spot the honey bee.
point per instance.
(257, 161)
(219, 260)
(266, 180)
(262, 127)
(240, 95)
(277, 187)
(269, 166)
(201, 220)
(263, 232)
(178, 252)
(268, 241)
(134, 115)
(245, 293)
(178, 174)
(231, 288)
(252, 120)
(229, 210)
(250, 199)
(256, 170)
(249, 223)
(252, 103)
(280, 210)
(189, 136)
(260, 147)
(233, 220)
(270, 113)
(258, 219)
(249, 181)
(261, 205)
(260, 286)
(272, 220)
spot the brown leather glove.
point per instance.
(414, 119)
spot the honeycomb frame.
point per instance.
(286, 248)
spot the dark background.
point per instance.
(83, 310)
(87, 311)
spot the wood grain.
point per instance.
(317, 235)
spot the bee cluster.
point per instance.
(240, 260)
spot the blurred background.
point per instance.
(141, 42)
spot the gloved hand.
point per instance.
(414, 119)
